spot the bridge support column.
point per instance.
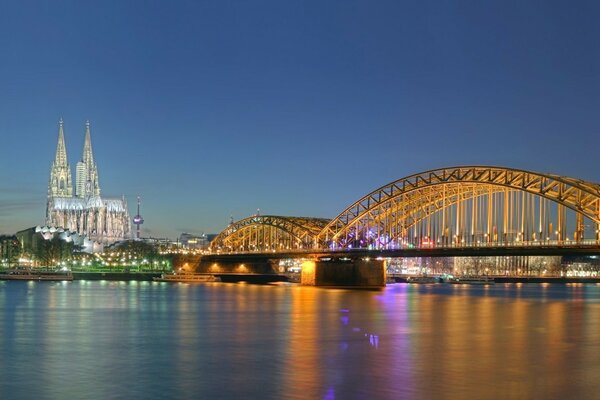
(359, 273)
(236, 266)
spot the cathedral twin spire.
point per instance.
(87, 172)
(60, 174)
(86, 182)
(61, 150)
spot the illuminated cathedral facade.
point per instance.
(77, 206)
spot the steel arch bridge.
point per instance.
(469, 206)
(465, 206)
(269, 233)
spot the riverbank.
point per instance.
(270, 278)
(521, 279)
(149, 276)
(115, 276)
(553, 279)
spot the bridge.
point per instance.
(456, 211)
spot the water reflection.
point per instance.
(102, 340)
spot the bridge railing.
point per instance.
(587, 243)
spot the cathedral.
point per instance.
(83, 210)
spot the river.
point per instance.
(143, 340)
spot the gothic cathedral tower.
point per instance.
(87, 172)
(60, 175)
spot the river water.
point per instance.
(142, 340)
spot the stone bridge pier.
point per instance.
(344, 273)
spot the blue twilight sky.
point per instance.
(211, 109)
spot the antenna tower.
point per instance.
(138, 220)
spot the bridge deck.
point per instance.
(590, 250)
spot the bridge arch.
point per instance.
(469, 206)
(268, 233)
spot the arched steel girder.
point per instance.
(301, 229)
(436, 205)
(581, 196)
(415, 209)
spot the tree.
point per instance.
(53, 251)
(137, 249)
(10, 249)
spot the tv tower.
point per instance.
(138, 220)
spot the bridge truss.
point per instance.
(470, 206)
(467, 206)
(269, 233)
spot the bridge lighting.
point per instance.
(355, 229)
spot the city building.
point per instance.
(195, 242)
(83, 210)
(30, 239)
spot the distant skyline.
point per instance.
(208, 110)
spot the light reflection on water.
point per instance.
(104, 340)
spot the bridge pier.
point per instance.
(240, 269)
(345, 273)
(236, 266)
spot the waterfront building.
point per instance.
(84, 211)
(196, 242)
(31, 239)
(190, 241)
